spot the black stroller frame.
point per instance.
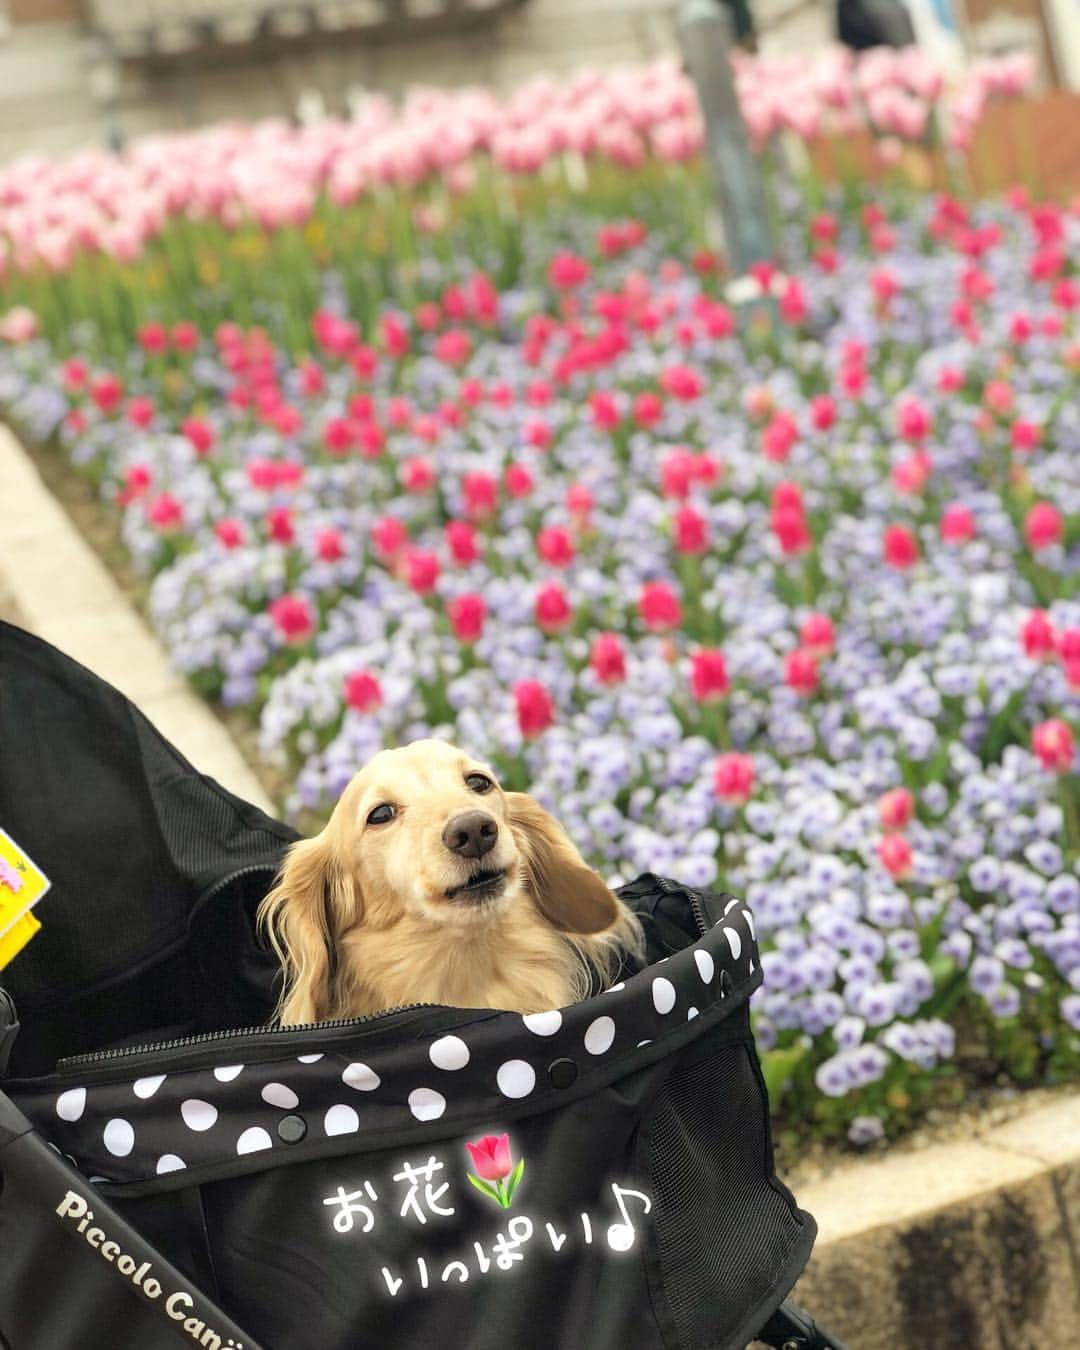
(175, 1171)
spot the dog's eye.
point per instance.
(478, 782)
(379, 815)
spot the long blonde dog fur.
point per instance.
(375, 912)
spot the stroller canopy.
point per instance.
(598, 1175)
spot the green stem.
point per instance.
(1068, 790)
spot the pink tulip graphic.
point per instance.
(496, 1174)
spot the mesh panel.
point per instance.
(724, 1232)
(206, 829)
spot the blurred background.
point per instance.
(74, 72)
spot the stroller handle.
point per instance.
(792, 1328)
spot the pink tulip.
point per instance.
(801, 671)
(817, 634)
(491, 1158)
(896, 856)
(608, 659)
(1038, 636)
(293, 617)
(1042, 526)
(708, 675)
(534, 707)
(896, 808)
(733, 778)
(1054, 744)
(957, 524)
(901, 547)
(659, 607)
(362, 691)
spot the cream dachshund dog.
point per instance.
(430, 884)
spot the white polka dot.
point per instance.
(641, 1043)
(599, 1036)
(663, 995)
(426, 1104)
(119, 1137)
(543, 1023)
(198, 1115)
(705, 965)
(516, 1078)
(341, 1120)
(734, 942)
(614, 989)
(277, 1094)
(146, 1087)
(360, 1077)
(449, 1052)
(748, 919)
(225, 1073)
(691, 1013)
(71, 1104)
(169, 1162)
(254, 1139)
(308, 1059)
(730, 906)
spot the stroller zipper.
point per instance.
(237, 1033)
(670, 887)
(698, 910)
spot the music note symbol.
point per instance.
(621, 1236)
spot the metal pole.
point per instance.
(706, 35)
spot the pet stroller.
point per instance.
(173, 1172)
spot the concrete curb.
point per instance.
(959, 1246)
(52, 583)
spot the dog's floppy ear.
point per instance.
(567, 891)
(314, 898)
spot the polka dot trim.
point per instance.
(600, 1036)
(543, 1023)
(198, 1115)
(516, 1078)
(126, 1129)
(341, 1119)
(663, 995)
(360, 1077)
(277, 1094)
(426, 1103)
(449, 1053)
(71, 1104)
(119, 1137)
(254, 1139)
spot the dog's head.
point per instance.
(422, 832)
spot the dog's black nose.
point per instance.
(471, 835)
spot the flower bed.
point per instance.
(783, 601)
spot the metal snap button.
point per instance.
(291, 1129)
(562, 1072)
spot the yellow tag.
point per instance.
(22, 884)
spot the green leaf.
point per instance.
(997, 733)
(485, 1186)
(777, 1067)
(514, 1178)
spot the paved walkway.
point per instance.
(52, 583)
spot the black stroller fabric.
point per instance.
(315, 1185)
